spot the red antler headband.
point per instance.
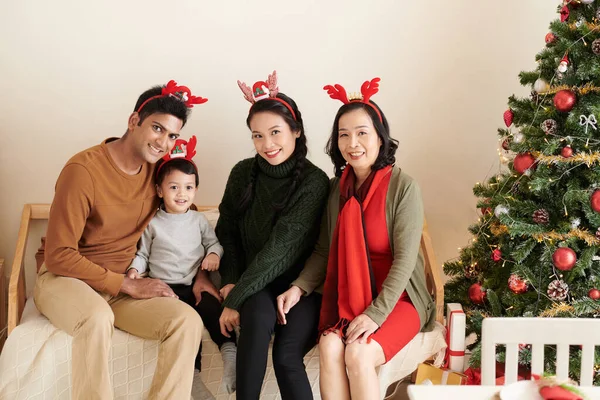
(181, 150)
(264, 90)
(182, 93)
(367, 90)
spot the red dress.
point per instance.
(403, 323)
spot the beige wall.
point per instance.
(70, 72)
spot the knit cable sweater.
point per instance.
(262, 244)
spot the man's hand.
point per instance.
(204, 284)
(210, 262)
(286, 301)
(230, 318)
(225, 290)
(133, 274)
(146, 288)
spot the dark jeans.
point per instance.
(209, 309)
(258, 318)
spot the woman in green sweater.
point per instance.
(268, 225)
(367, 262)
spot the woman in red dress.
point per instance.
(367, 262)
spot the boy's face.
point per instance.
(177, 190)
(155, 136)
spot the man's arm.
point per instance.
(71, 207)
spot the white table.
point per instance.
(455, 392)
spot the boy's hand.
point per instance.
(133, 274)
(211, 262)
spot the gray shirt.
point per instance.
(173, 246)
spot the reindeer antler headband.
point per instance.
(264, 90)
(367, 90)
(181, 150)
(182, 93)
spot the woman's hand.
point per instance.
(360, 328)
(230, 318)
(286, 301)
(225, 290)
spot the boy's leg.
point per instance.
(178, 328)
(74, 307)
(209, 309)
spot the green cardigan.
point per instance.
(405, 217)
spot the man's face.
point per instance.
(155, 136)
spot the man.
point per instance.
(104, 199)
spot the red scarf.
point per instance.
(349, 284)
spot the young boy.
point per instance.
(178, 247)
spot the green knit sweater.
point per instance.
(262, 244)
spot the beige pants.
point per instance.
(90, 317)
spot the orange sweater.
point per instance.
(97, 216)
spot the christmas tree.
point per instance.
(535, 249)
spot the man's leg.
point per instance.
(74, 307)
(179, 329)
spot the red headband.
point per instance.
(182, 93)
(368, 89)
(181, 150)
(264, 90)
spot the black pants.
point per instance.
(209, 309)
(258, 318)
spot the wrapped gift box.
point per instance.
(438, 376)
(456, 323)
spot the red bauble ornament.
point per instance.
(517, 285)
(508, 117)
(550, 38)
(595, 201)
(565, 100)
(564, 14)
(566, 152)
(564, 258)
(594, 294)
(486, 209)
(477, 293)
(496, 255)
(523, 162)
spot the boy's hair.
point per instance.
(177, 164)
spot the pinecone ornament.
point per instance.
(549, 127)
(541, 216)
(558, 290)
(535, 97)
(598, 234)
(471, 271)
(596, 47)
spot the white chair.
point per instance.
(538, 332)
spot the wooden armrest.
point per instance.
(16, 285)
(432, 274)
(3, 329)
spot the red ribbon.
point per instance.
(448, 351)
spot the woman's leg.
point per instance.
(332, 368)
(361, 361)
(292, 341)
(258, 316)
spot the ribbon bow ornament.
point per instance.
(588, 121)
